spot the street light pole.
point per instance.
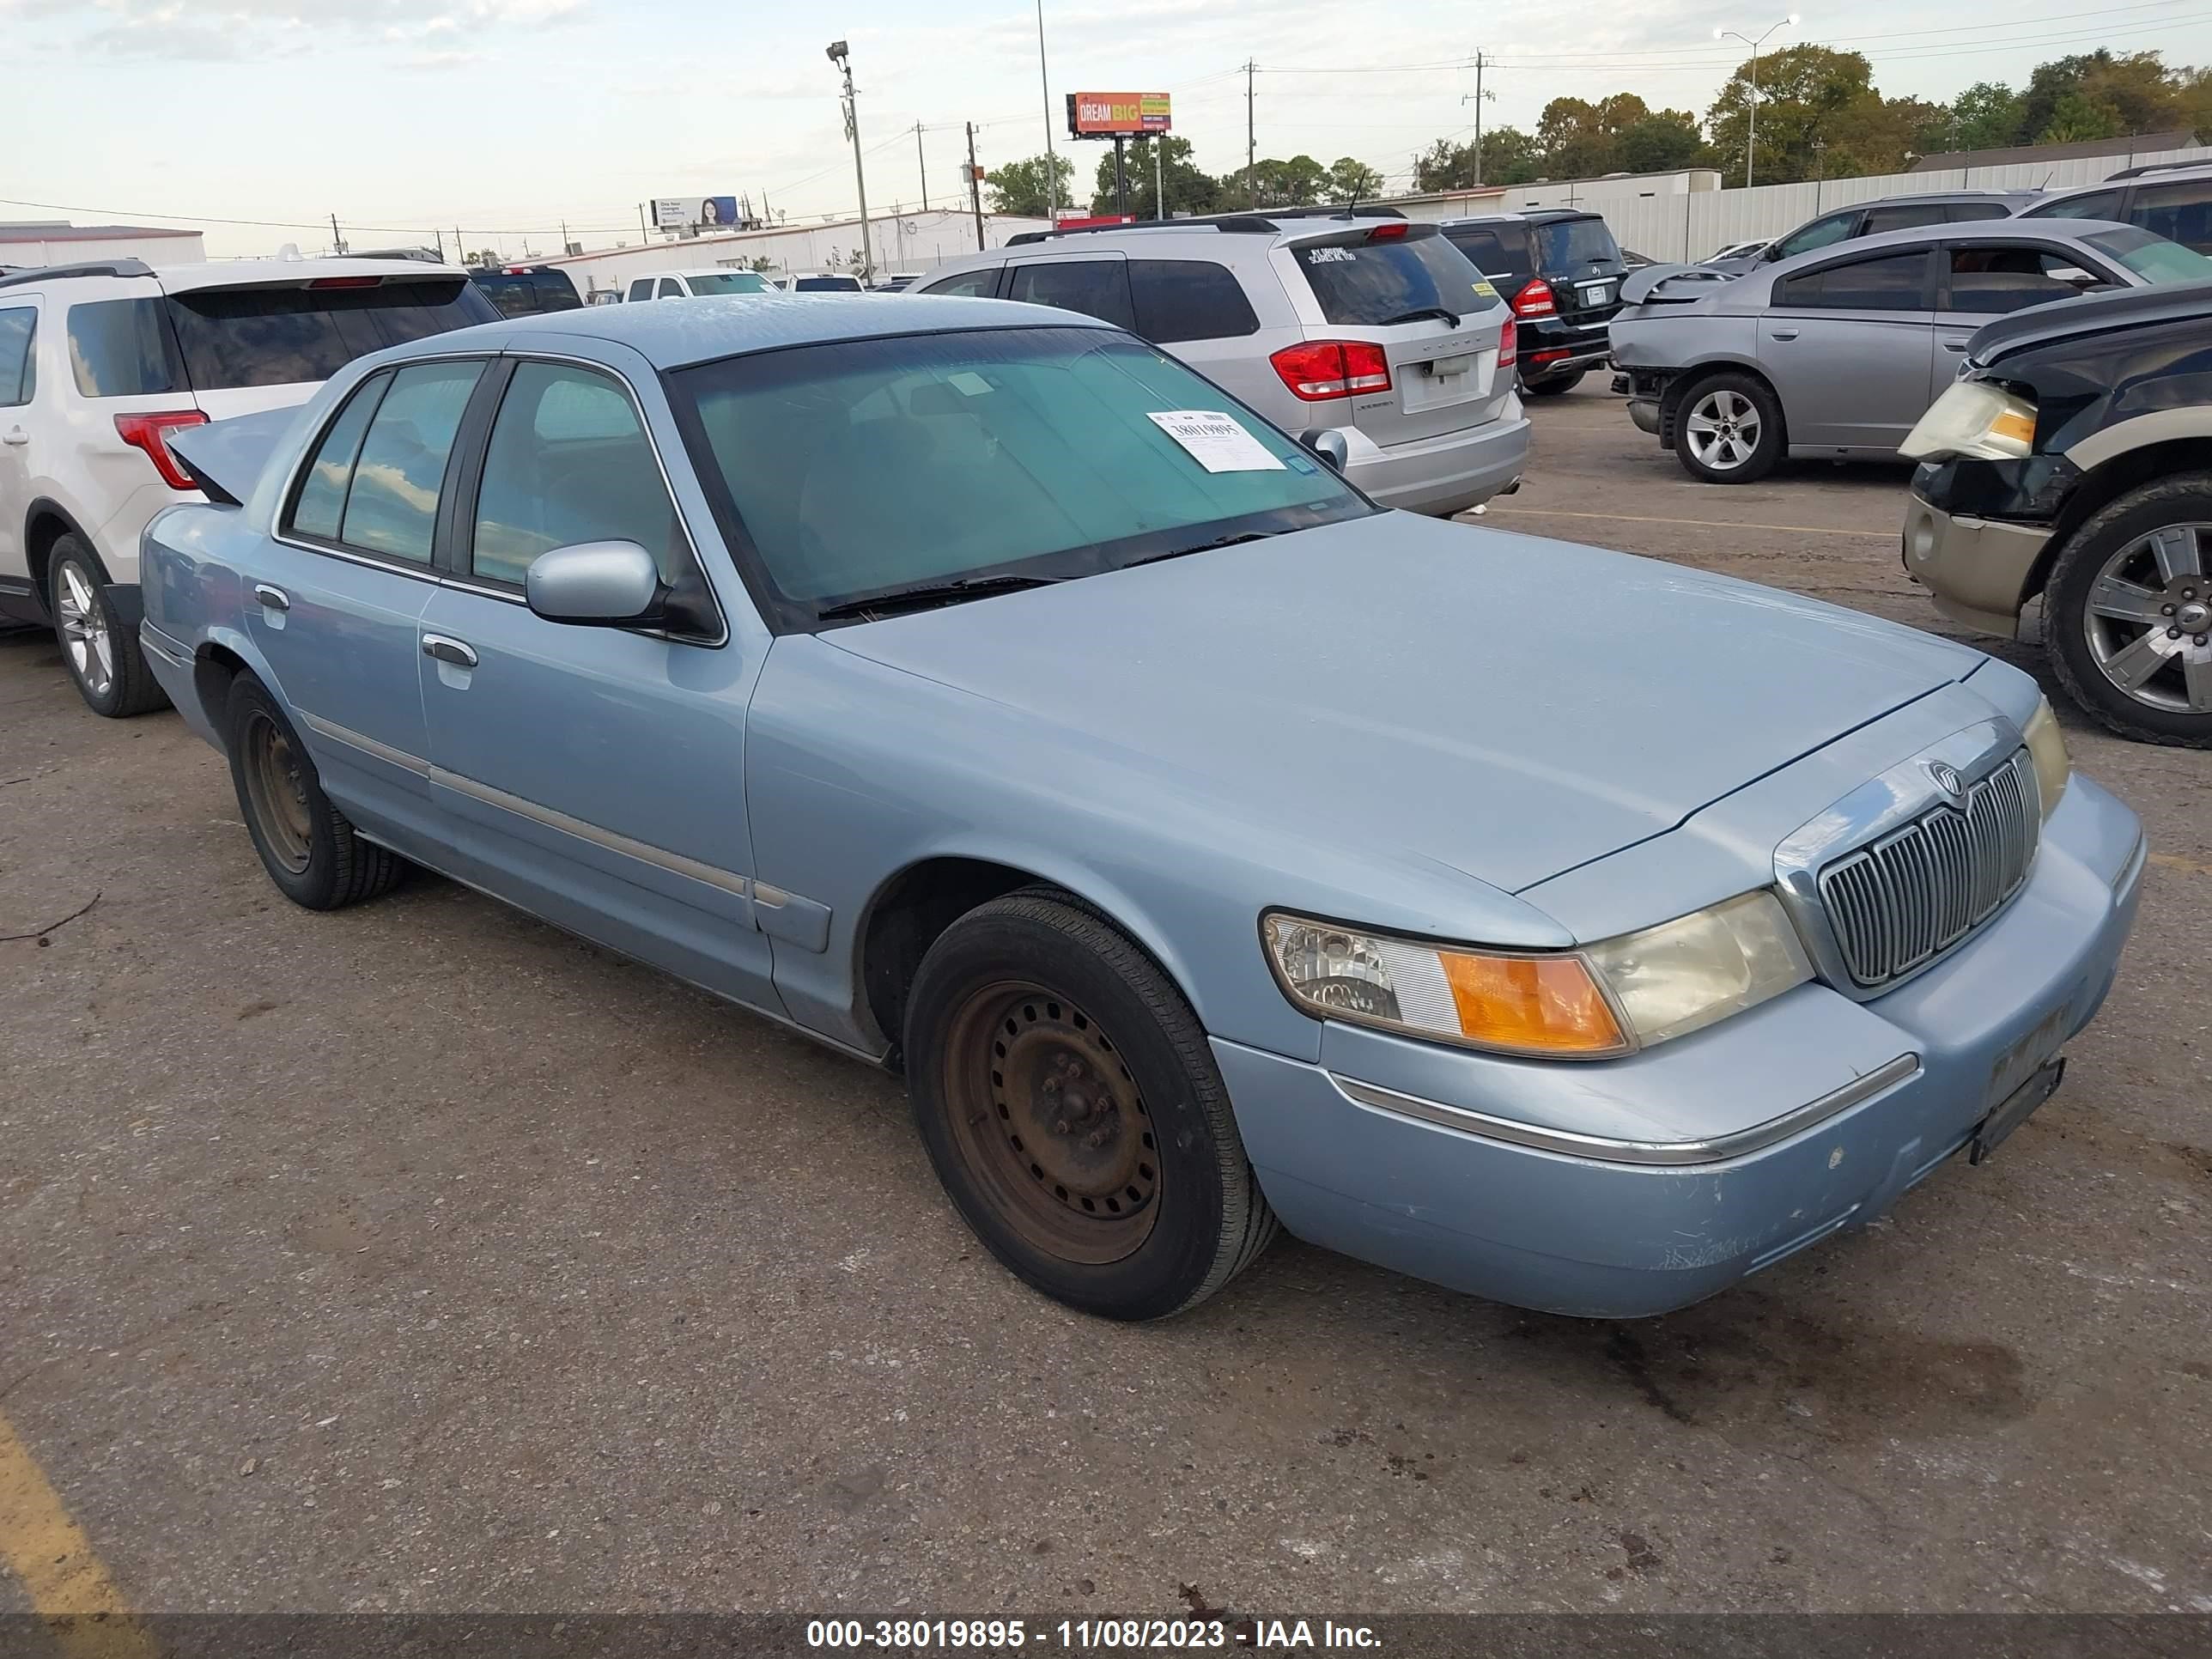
(841, 56)
(1751, 139)
(1051, 166)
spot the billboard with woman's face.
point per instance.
(696, 213)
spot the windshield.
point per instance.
(861, 466)
(2151, 258)
(728, 282)
(1573, 246)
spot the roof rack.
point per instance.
(60, 273)
(2158, 166)
(1262, 221)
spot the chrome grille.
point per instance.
(1903, 901)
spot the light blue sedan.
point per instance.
(974, 689)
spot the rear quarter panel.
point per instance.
(195, 571)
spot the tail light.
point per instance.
(151, 432)
(1319, 370)
(1509, 344)
(1389, 233)
(1535, 299)
(346, 281)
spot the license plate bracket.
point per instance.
(2015, 1110)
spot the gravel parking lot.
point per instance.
(421, 1256)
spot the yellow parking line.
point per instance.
(53, 1560)
(1695, 524)
(2192, 866)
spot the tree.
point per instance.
(762, 264)
(1188, 191)
(1665, 141)
(2138, 91)
(1353, 180)
(1808, 94)
(2077, 116)
(1019, 187)
(1509, 156)
(1271, 183)
(1985, 116)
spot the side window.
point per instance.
(1188, 299)
(1991, 280)
(2180, 212)
(19, 326)
(1096, 287)
(569, 462)
(642, 289)
(1820, 233)
(2097, 205)
(977, 284)
(391, 506)
(1896, 282)
(1482, 249)
(1905, 216)
(321, 505)
(123, 348)
(671, 288)
(1964, 212)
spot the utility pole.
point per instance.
(338, 242)
(1476, 98)
(564, 236)
(974, 187)
(440, 235)
(1051, 166)
(922, 161)
(841, 56)
(460, 253)
(1251, 137)
(1159, 192)
(643, 234)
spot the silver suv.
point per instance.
(2172, 199)
(1371, 328)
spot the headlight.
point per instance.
(2046, 747)
(1975, 419)
(1607, 999)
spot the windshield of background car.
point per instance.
(2151, 258)
(826, 285)
(859, 466)
(1573, 246)
(242, 336)
(1365, 277)
(728, 282)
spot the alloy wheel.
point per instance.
(1722, 429)
(84, 629)
(2148, 620)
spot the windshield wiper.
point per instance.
(931, 593)
(1420, 312)
(1202, 547)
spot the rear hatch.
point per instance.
(1418, 325)
(1581, 263)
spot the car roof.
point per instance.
(1961, 230)
(2091, 313)
(237, 273)
(705, 329)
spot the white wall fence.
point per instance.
(1690, 227)
(905, 241)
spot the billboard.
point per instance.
(702, 212)
(1110, 114)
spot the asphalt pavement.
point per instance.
(420, 1257)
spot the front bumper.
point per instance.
(1440, 477)
(1976, 570)
(1588, 1232)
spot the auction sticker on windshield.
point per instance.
(1216, 441)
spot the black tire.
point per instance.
(2183, 499)
(98, 649)
(316, 858)
(1031, 991)
(1552, 385)
(1759, 457)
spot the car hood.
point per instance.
(1507, 706)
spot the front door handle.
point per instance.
(1955, 345)
(275, 597)
(14, 435)
(1781, 334)
(447, 649)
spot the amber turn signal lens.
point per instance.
(1534, 1004)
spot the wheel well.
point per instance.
(213, 670)
(1681, 385)
(2107, 484)
(907, 915)
(46, 527)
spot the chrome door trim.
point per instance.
(1608, 1149)
(676, 863)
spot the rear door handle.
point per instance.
(14, 435)
(275, 597)
(447, 649)
(1955, 345)
(1781, 334)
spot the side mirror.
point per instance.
(596, 584)
(1328, 443)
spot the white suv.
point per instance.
(1373, 341)
(697, 284)
(99, 363)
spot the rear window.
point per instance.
(122, 349)
(1188, 299)
(1370, 283)
(728, 282)
(826, 285)
(248, 336)
(1570, 246)
(1495, 250)
(528, 294)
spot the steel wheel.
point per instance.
(1046, 1115)
(1722, 429)
(2148, 620)
(84, 629)
(277, 786)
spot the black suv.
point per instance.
(1560, 270)
(2072, 461)
(526, 290)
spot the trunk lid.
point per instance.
(1578, 256)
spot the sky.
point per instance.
(509, 118)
